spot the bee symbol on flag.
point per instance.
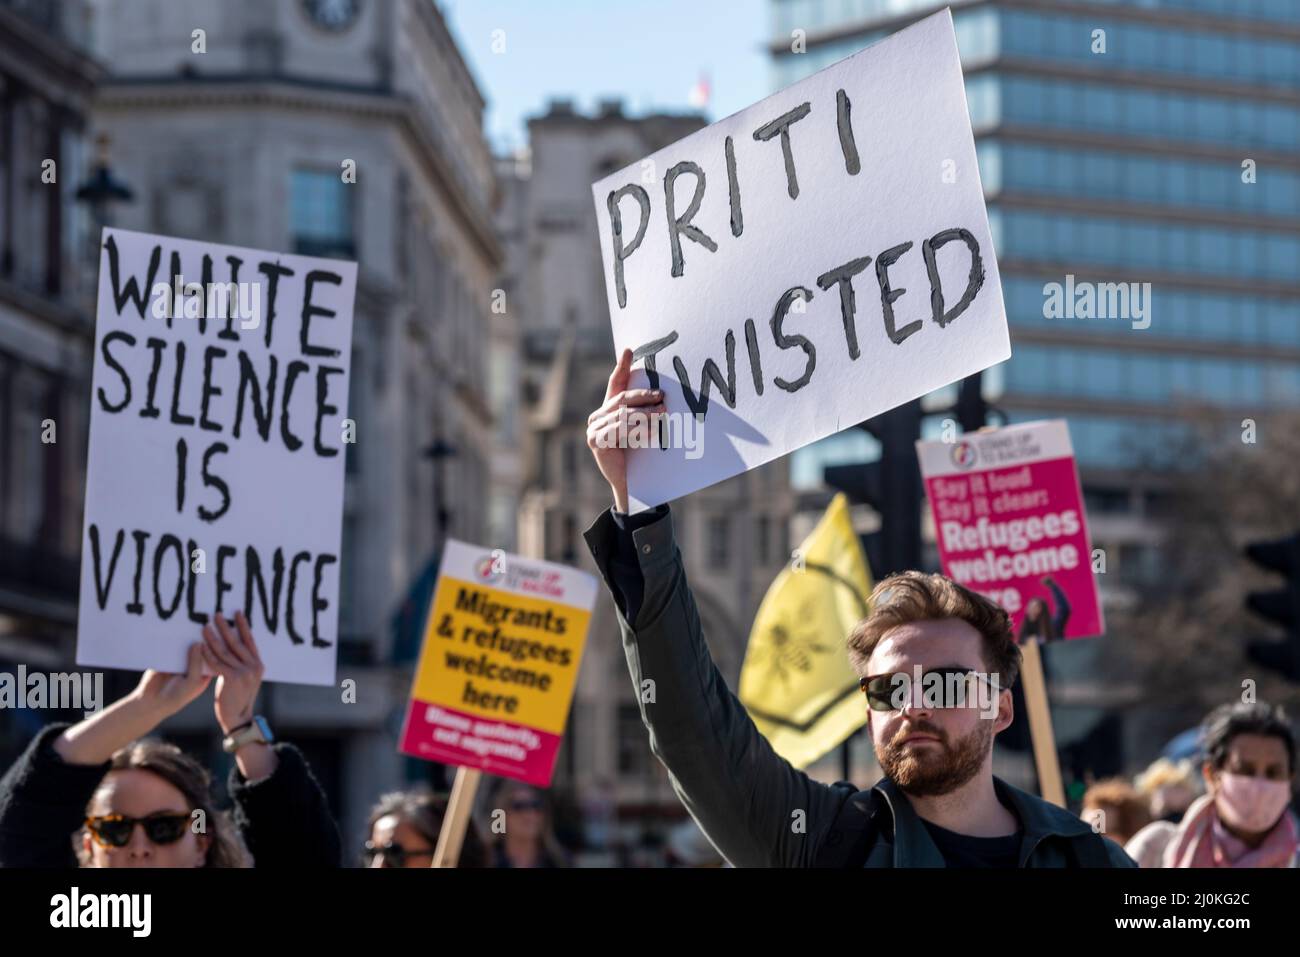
(791, 644)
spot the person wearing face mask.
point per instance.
(94, 794)
(1243, 819)
(938, 804)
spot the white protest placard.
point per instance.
(215, 469)
(805, 264)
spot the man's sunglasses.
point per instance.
(115, 830)
(882, 689)
(393, 853)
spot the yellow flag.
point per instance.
(796, 682)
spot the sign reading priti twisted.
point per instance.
(807, 263)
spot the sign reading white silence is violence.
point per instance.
(805, 264)
(214, 478)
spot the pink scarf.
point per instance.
(1202, 841)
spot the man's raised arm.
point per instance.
(757, 809)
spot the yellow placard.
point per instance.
(502, 655)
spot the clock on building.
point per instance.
(334, 15)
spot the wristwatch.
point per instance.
(254, 731)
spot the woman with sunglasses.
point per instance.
(92, 794)
(404, 829)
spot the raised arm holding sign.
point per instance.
(215, 468)
(936, 661)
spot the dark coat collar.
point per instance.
(1039, 820)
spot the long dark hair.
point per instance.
(225, 848)
(1040, 627)
(553, 853)
(424, 810)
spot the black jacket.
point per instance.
(284, 819)
(743, 794)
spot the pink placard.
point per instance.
(1010, 524)
(503, 748)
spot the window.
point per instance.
(321, 214)
(719, 541)
(1112, 501)
(569, 449)
(633, 755)
(569, 552)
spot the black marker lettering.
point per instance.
(785, 342)
(213, 481)
(755, 361)
(621, 252)
(150, 411)
(322, 391)
(209, 390)
(102, 586)
(319, 604)
(229, 333)
(681, 225)
(135, 607)
(164, 543)
(843, 275)
(887, 295)
(648, 353)
(296, 368)
(849, 147)
(309, 310)
(272, 272)
(974, 281)
(782, 125)
(177, 417)
(182, 458)
(710, 374)
(298, 559)
(198, 617)
(262, 414)
(733, 189)
(223, 586)
(132, 291)
(253, 573)
(112, 364)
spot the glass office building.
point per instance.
(1131, 165)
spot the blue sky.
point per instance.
(641, 51)
(648, 52)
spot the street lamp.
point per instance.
(99, 192)
(439, 451)
(102, 188)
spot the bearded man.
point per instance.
(938, 805)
